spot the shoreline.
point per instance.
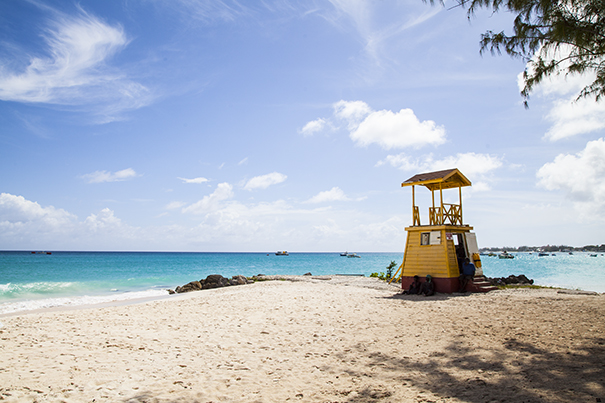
(347, 279)
(317, 339)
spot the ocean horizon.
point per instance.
(31, 281)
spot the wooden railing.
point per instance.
(451, 214)
(416, 216)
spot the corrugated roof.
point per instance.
(448, 178)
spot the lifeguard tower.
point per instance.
(439, 248)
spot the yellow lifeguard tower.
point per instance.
(439, 248)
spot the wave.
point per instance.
(43, 303)
(14, 290)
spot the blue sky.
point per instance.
(228, 126)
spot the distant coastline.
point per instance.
(546, 248)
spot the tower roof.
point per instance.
(449, 178)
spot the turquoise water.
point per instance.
(33, 281)
(578, 271)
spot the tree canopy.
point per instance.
(553, 37)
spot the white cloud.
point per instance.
(224, 191)
(353, 112)
(570, 118)
(581, 177)
(397, 130)
(17, 210)
(474, 166)
(313, 126)
(386, 128)
(334, 194)
(243, 162)
(567, 116)
(104, 176)
(102, 221)
(470, 164)
(194, 180)
(74, 70)
(264, 181)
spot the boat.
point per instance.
(593, 255)
(282, 253)
(39, 252)
(353, 255)
(344, 253)
(505, 255)
(543, 254)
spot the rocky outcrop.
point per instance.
(512, 279)
(212, 281)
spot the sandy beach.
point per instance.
(312, 339)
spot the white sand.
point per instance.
(348, 339)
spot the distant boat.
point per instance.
(595, 255)
(543, 254)
(41, 253)
(344, 254)
(353, 255)
(282, 253)
(505, 255)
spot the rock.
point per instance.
(307, 274)
(192, 286)
(512, 279)
(212, 281)
(239, 280)
(215, 281)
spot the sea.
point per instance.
(33, 281)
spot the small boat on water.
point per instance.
(344, 254)
(505, 255)
(543, 254)
(353, 255)
(41, 253)
(282, 253)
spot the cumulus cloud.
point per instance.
(102, 221)
(385, 128)
(313, 126)
(580, 176)
(334, 194)
(194, 180)
(224, 191)
(27, 224)
(264, 181)
(568, 117)
(468, 163)
(474, 166)
(18, 210)
(105, 176)
(571, 118)
(353, 112)
(74, 70)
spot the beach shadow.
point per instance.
(516, 371)
(437, 297)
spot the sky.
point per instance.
(192, 125)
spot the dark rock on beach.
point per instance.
(212, 281)
(512, 279)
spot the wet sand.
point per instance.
(330, 339)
